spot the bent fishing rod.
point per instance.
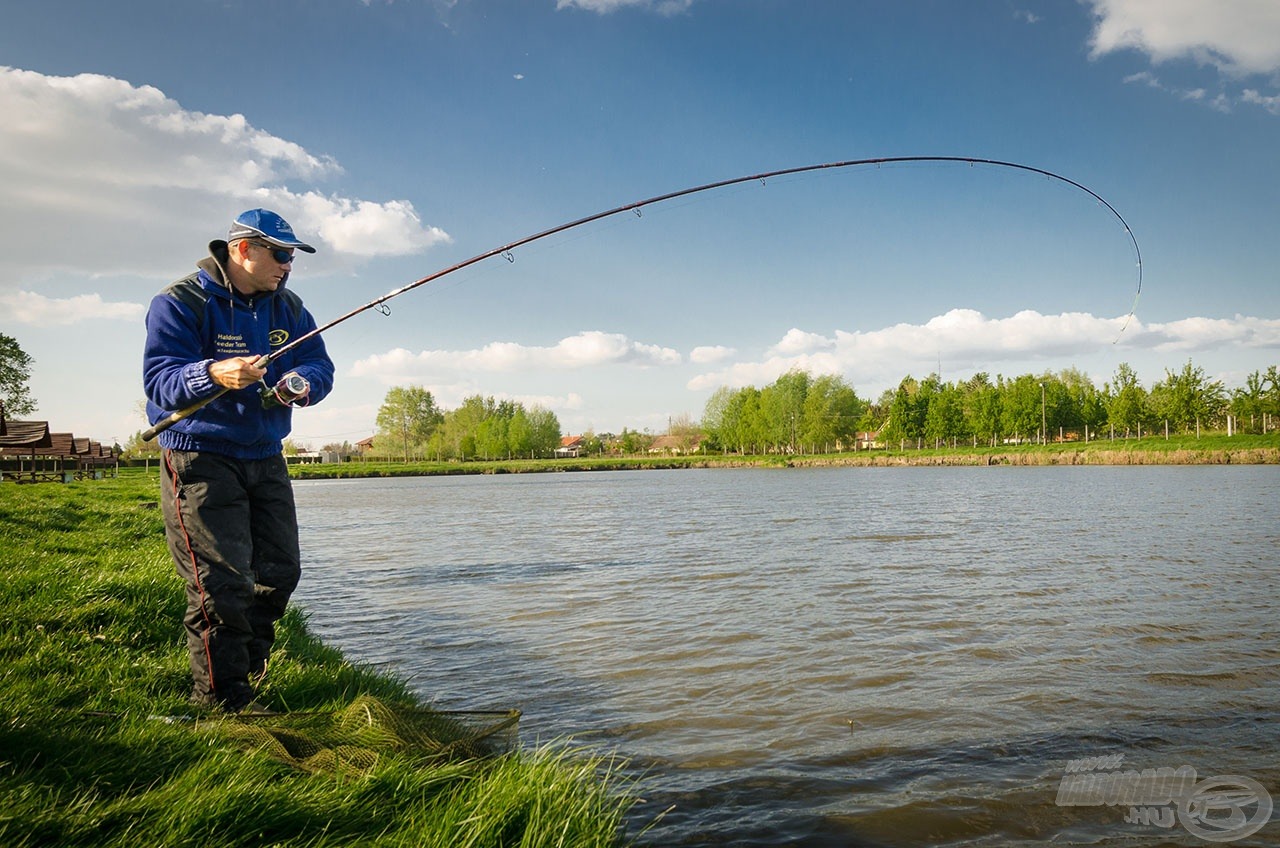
(636, 206)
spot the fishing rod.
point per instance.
(506, 249)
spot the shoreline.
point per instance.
(1074, 456)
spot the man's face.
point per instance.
(265, 266)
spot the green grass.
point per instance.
(92, 660)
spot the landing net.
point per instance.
(351, 740)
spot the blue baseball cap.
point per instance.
(266, 225)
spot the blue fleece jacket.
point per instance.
(183, 338)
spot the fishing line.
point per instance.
(508, 250)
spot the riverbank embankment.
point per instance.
(1246, 456)
(1185, 450)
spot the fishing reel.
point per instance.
(292, 388)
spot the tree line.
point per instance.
(411, 425)
(800, 413)
(803, 413)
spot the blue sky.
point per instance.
(402, 137)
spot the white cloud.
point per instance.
(710, 354)
(967, 336)
(364, 228)
(26, 307)
(1238, 37)
(570, 401)
(604, 7)
(1220, 102)
(1145, 78)
(797, 342)
(584, 350)
(92, 162)
(1269, 102)
(1193, 334)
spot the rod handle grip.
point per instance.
(165, 423)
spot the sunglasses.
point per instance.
(279, 254)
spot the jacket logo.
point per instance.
(278, 337)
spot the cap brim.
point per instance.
(240, 231)
(305, 248)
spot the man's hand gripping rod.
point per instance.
(164, 424)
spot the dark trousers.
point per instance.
(233, 532)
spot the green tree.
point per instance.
(1272, 396)
(1088, 406)
(715, 418)
(135, 448)
(545, 431)
(1188, 399)
(408, 416)
(1264, 404)
(755, 424)
(593, 443)
(633, 441)
(1060, 412)
(733, 419)
(944, 418)
(831, 413)
(520, 434)
(1020, 408)
(906, 414)
(438, 446)
(491, 438)
(981, 405)
(1247, 403)
(782, 407)
(1127, 409)
(462, 424)
(1270, 405)
(15, 376)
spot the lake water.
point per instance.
(843, 656)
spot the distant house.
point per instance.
(364, 445)
(676, 444)
(866, 440)
(570, 447)
(314, 457)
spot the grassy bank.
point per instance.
(1212, 449)
(99, 747)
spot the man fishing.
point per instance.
(228, 505)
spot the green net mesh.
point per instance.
(352, 739)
